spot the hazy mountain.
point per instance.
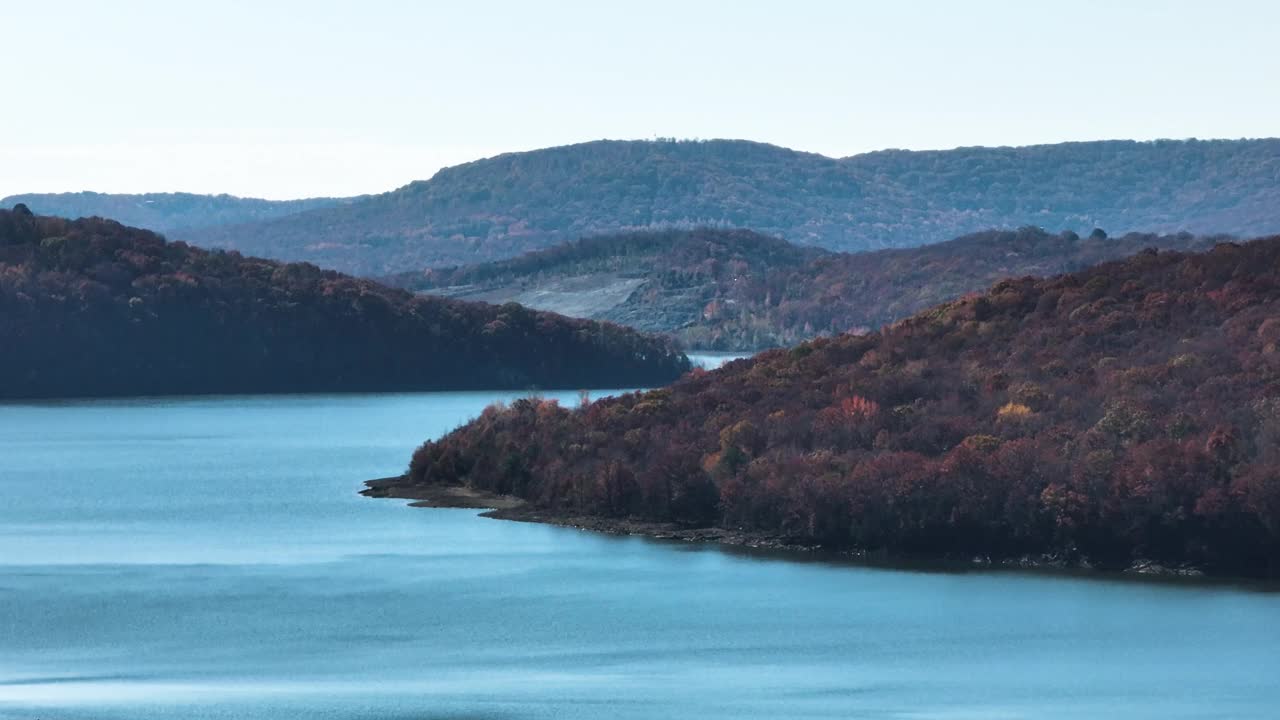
(165, 212)
(506, 205)
(739, 290)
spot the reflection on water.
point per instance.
(210, 558)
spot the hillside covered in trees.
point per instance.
(741, 291)
(92, 307)
(510, 204)
(658, 281)
(1129, 411)
(164, 212)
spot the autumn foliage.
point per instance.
(1131, 410)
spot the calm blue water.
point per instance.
(210, 558)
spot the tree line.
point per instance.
(1126, 411)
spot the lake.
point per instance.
(210, 558)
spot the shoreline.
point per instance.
(439, 496)
(509, 507)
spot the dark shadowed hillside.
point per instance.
(741, 291)
(507, 205)
(165, 212)
(1129, 411)
(92, 307)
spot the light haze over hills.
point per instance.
(164, 212)
(503, 206)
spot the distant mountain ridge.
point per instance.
(510, 204)
(738, 290)
(165, 212)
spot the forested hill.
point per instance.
(1128, 411)
(741, 291)
(507, 205)
(92, 307)
(659, 281)
(165, 212)
(634, 252)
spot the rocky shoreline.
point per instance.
(508, 507)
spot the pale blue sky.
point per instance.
(289, 99)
